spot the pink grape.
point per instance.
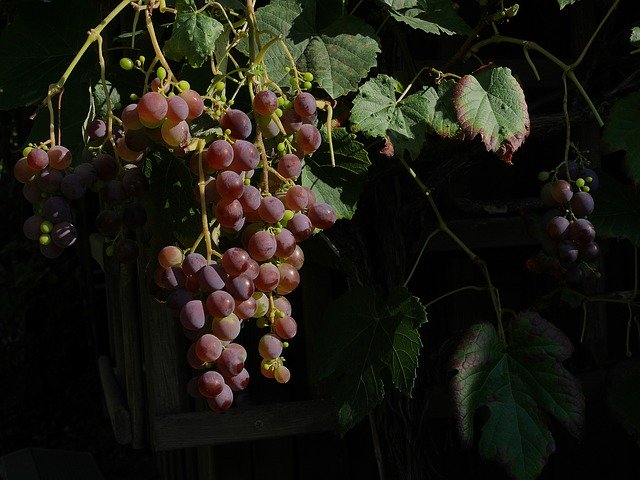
(285, 327)
(262, 245)
(177, 109)
(271, 209)
(37, 159)
(210, 384)
(238, 382)
(229, 185)
(60, 157)
(222, 401)
(220, 304)
(195, 103)
(290, 166)
(235, 261)
(296, 198)
(289, 279)
(296, 259)
(308, 138)
(152, 109)
(265, 102)
(227, 328)
(208, 348)
(219, 155)
(268, 277)
(270, 346)
(231, 362)
(245, 156)
(170, 256)
(304, 104)
(23, 171)
(237, 122)
(192, 316)
(282, 374)
(322, 215)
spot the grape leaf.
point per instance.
(339, 186)
(617, 212)
(377, 113)
(624, 395)
(100, 98)
(492, 104)
(430, 16)
(564, 3)
(622, 132)
(518, 382)
(367, 338)
(441, 112)
(194, 34)
(339, 55)
(35, 51)
(635, 36)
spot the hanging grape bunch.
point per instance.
(568, 190)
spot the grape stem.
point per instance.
(156, 46)
(434, 71)
(443, 227)
(203, 201)
(453, 292)
(325, 105)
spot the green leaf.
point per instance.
(617, 212)
(430, 16)
(441, 112)
(622, 132)
(564, 3)
(492, 104)
(518, 382)
(194, 35)
(377, 113)
(366, 338)
(339, 55)
(100, 98)
(35, 51)
(624, 395)
(635, 36)
(339, 186)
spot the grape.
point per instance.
(229, 212)
(322, 215)
(235, 261)
(291, 121)
(51, 250)
(268, 127)
(229, 185)
(285, 243)
(282, 374)
(561, 191)
(88, 173)
(134, 215)
(219, 155)
(227, 328)
(72, 186)
(64, 234)
(222, 401)
(195, 103)
(106, 167)
(304, 104)
(296, 198)
(23, 171)
(239, 348)
(290, 166)
(49, 180)
(245, 308)
(238, 382)
(312, 197)
(211, 278)
(125, 153)
(557, 228)
(56, 209)
(582, 231)
(252, 269)
(283, 305)
(220, 304)
(308, 138)
(37, 159)
(152, 109)
(262, 245)
(210, 384)
(130, 118)
(179, 298)
(136, 141)
(192, 263)
(108, 223)
(176, 134)
(587, 173)
(172, 278)
(192, 316)
(134, 183)
(237, 122)
(126, 63)
(126, 251)
(177, 109)
(268, 277)
(271, 209)
(289, 279)
(32, 192)
(31, 227)
(296, 259)
(567, 251)
(265, 369)
(245, 156)
(262, 304)
(285, 327)
(250, 198)
(265, 102)
(208, 348)
(590, 251)
(270, 346)
(240, 287)
(300, 227)
(193, 359)
(96, 130)
(170, 256)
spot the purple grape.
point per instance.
(582, 204)
(557, 228)
(237, 122)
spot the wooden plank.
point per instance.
(116, 405)
(242, 424)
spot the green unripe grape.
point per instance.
(46, 226)
(281, 147)
(231, 102)
(287, 69)
(543, 176)
(589, 179)
(141, 59)
(285, 344)
(134, 97)
(278, 112)
(307, 76)
(288, 104)
(219, 86)
(293, 81)
(161, 73)
(586, 189)
(281, 101)
(306, 85)
(281, 314)
(26, 150)
(247, 181)
(183, 85)
(223, 98)
(126, 63)
(45, 239)
(288, 215)
(580, 182)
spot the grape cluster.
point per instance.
(571, 234)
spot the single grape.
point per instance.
(245, 308)
(282, 374)
(72, 186)
(126, 63)
(558, 228)
(290, 166)
(152, 109)
(192, 316)
(270, 347)
(268, 127)
(96, 130)
(291, 121)
(268, 278)
(282, 305)
(136, 141)
(285, 243)
(238, 382)
(265, 368)
(271, 209)
(220, 304)
(49, 180)
(229, 213)
(222, 401)
(296, 259)
(300, 227)
(227, 328)
(208, 348)
(32, 192)
(561, 191)
(229, 185)
(250, 198)
(265, 102)
(296, 198)
(235, 261)
(23, 171)
(211, 384)
(582, 231)
(240, 287)
(64, 234)
(211, 278)
(322, 215)
(130, 118)
(308, 138)
(245, 156)
(193, 360)
(262, 245)
(304, 104)
(88, 173)
(195, 103)
(56, 210)
(567, 251)
(170, 256)
(37, 159)
(171, 278)
(219, 155)
(176, 134)
(31, 227)
(589, 252)
(289, 279)
(582, 204)
(262, 304)
(237, 122)
(285, 327)
(192, 263)
(125, 153)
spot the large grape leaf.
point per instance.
(339, 55)
(339, 186)
(35, 50)
(622, 132)
(194, 34)
(370, 339)
(617, 212)
(492, 104)
(430, 16)
(564, 3)
(441, 112)
(518, 382)
(377, 113)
